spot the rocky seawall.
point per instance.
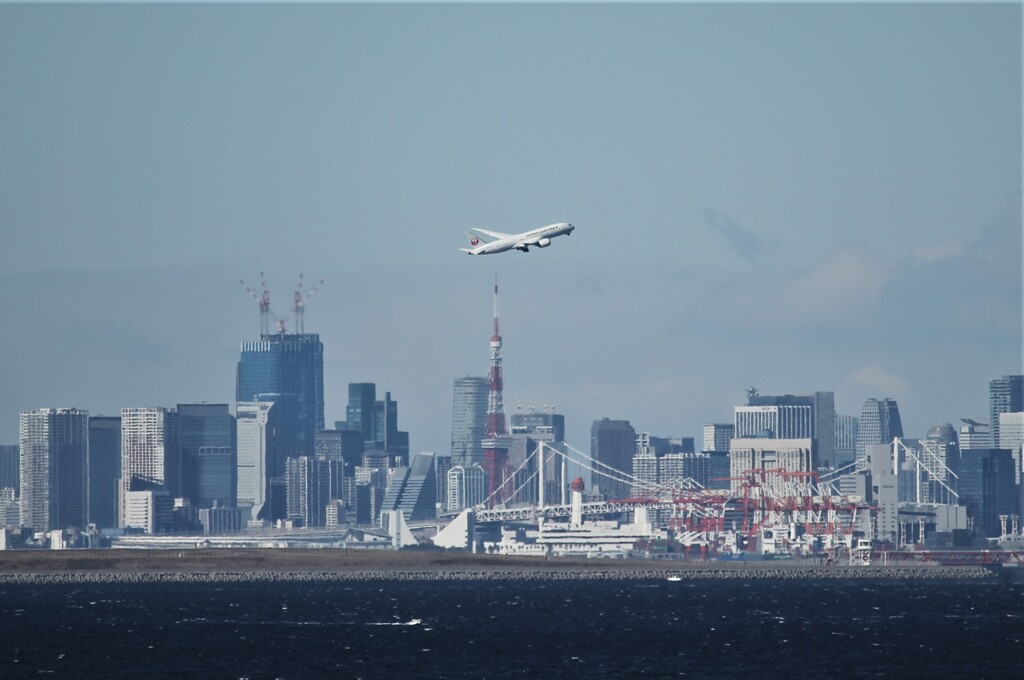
(704, 573)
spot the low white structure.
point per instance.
(393, 522)
(459, 533)
(576, 537)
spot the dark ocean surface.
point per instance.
(577, 629)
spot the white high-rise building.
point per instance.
(790, 455)
(645, 473)
(149, 510)
(845, 440)
(879, 423)
(1011, 436)
(467, 487)
(1005, 395)
(779, 422)
(1011, 430)
(54, 468)
(149, 453)
(717, 436)
(257, 454)
(469, 420)
(974, 435)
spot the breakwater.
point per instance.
(702, 573)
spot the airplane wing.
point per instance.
(492, 234)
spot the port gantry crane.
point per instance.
(761, 500)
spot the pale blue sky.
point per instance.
(798, 197)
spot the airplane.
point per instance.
(497, 242)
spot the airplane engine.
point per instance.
(544, 243)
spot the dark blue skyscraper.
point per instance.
(206, 437)
(359, 412)
(376, 421)
(288, 370)
(9, 463)
(987, 488)
(104, 469)
(612, 444)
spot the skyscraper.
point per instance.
(467, 487)
(790, 455)
(879, 423)
(645, 472)
(104, 469)
(375, 420)
(10, 461)
(288, 369)
(974, 435)
(1005, 395)
(612, 444)
(359, 412)
(791, 417)
(469, 420)
(54, 468)
(845, 447)
(206, 438)
(150, 458)
(987, 488)
(343, 445)
(442, 464)
(259, 460)
(1011, 437)
(413, 489)
(309, 489)
(717, 436)
(774, 422)
(385, 429)
(547, 427)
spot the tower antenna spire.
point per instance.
(496, 442)
(496, 333)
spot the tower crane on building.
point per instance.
(263, 300)
(300, 304)
(266, 313)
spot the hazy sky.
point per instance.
(797, 197)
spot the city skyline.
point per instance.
(832, 195)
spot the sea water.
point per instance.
(514, 629)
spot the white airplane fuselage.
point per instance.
(540, 238)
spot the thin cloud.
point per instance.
(742, 241)
(935, 252)
(879, 380)
(846, 281)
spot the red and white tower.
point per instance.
(496, 440)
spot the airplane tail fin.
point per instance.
(474, 239)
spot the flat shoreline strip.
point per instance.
(279, 565)
(837, 573)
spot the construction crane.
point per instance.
(263, 300)
(300, 304)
